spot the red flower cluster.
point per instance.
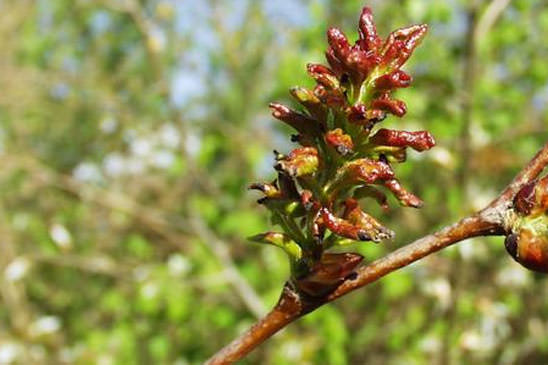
(315, 197)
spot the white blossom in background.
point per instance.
(513, 275)
(105, 359)
(169, 136)
(493, 328)
(430, 344)
(141, 147)
(108, 125)
(163, 159)
(141, 273)
(442, 156)
(479, 136)
(45, 325)
(17, 269)
(149, 290)
(181, 361)
(9, 352)
(292, 350)
(61, 236)
(178, 265)
(440, 289)
(479, 197)
(193, 144)
(114, 164)
(135, 165)
(472, 341)
(472, 249)
(87, 172)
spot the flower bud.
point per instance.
(419, 141)
(342, 143)
(330, 271)
(300, 162)
(527, 241)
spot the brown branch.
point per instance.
(292, 304)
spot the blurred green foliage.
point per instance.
(130, 129)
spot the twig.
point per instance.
(292, 304)
(489, 17)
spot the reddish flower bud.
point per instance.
(393, 80)
(527, 241)
(361, 64)
(299, 162)
(369, 40)
(323, 75)
(331, 98)
(339, 43)
(359, 114)
(396, 107)
(419, 141)
(524, 201)
(269, 190)
(330, 271)
(356, 216)
(404, 197)
(335, 64)
(341, 142)
(400, 45)
(301, 123)
(367, 170)
(311, 102)
(342, 227)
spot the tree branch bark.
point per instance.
(293, 304)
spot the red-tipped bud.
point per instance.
(361, 63)
(367, 170)
(335, 64)
(269, 190)
(323, 75)
(300, 162)
(404, 197)
(307, 200)
(333, 98)
(301, 123)
(369, 40)
(339, 43)
(356, 216)
(400, 45)
(311, 102)
(524, 201)
(331, 270)
(419, 141)
(393, 80)
(360, 115)
(341, 142)
(342, 227)
(396, 107)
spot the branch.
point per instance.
(293, 304)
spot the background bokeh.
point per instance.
(130, 129)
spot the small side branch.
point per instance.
(292, 304)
